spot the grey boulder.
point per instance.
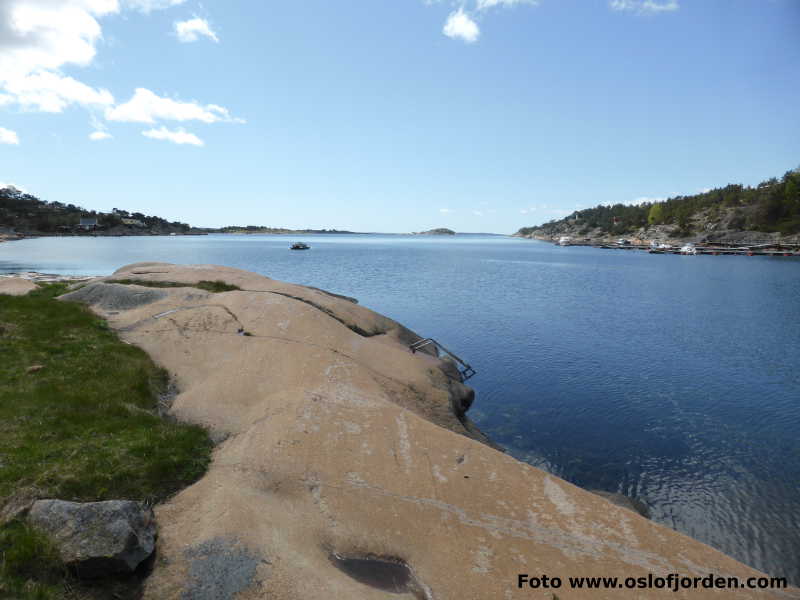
(97, 538)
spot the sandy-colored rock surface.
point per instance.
(341, 447)
(14, 286)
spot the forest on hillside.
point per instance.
(771, 206)
(26, 213)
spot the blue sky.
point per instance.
(393, 115)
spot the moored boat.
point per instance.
(299, 246)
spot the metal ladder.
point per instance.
(465, 370)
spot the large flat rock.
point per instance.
(15, 286)
(346, 472)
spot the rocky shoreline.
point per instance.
(662, 234)
(345, 466)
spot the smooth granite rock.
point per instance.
(16, 286)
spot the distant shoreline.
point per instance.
(101, 234)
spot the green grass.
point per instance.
(78, 422)
(214, 287)
(30, 567)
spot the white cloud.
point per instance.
(147, 107)
(41, 38)
(487, 4)
(13, 186)
(477, 213)
(147, 6)
(37, 39)
(44, 34)
(545, 210)
(460, 25)
(51, 92)
(191, 30)
(446, 211)
(178, 136)
(645, 7)
(8, 137)
(97, 136)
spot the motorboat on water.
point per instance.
(689, 249)
(299, 246)
(564, 240)
(660, 247)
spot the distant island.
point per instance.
(735, 213)
(438, 231)
(257, 229)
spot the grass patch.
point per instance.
(30, 567)
(215, 287)
(78, 422)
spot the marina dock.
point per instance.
(719, 248)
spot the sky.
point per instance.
(393, 115)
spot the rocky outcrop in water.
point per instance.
(438, 231)
(345, 470)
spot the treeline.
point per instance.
(27, 213)
(264, 229)
(772, 206)
(251, 229)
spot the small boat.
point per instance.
(299, 246)
(689, 249)
(564, 240)
(659, 248)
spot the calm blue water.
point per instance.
(672, 379)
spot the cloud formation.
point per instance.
(46, 91)
(645, 7)
(41, 38)
(193, 29)
(98, 136)
(148, 107)
(545, 211)
(37, 39)
(460, 25)
(487, 4)
(177, 136)
(8, 137)
(147, 6)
